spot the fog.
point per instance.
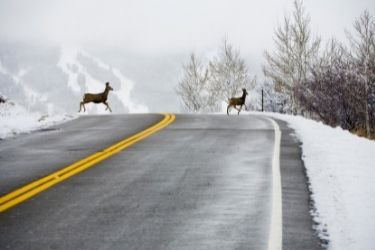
(149, 40)
(167, 26)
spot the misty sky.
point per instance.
(168, 26)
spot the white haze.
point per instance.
(167, 25)
(144, 41)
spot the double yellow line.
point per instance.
(19, 195)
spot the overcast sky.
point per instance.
(164, 26)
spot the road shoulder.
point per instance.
(298, 232)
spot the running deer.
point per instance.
(237, 101)
(96, 98)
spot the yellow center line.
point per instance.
(21, 194)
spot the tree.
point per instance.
(273, 101)
(193, 86)
(296, 49)
(228, 74)
(331, 92)
(363, 44)
(206, 89)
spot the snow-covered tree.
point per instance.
(206, 89)
(229, 74)
(274, 101)
(331, 92)
(288, 66)
(193, 86)
(363, 56)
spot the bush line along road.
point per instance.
(200, 182)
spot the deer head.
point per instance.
(107, 86)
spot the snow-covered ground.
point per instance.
(14, 119)
(341, 171)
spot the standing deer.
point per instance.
(237, 101)
(96, 98)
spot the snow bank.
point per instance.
(14, 119)
(341, 170)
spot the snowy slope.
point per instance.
(53, 80)
(23, 90)
(341, 170)
(81, 79)
(15, 119)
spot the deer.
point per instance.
(96, 98)
(237, 101)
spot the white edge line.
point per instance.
(275, 239)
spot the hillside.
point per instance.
(53, 79)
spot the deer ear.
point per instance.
(107, 83)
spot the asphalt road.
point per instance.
(204, 182)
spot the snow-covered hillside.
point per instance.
(15, 119)
(341, 171)
(53, 80)
(88, 74)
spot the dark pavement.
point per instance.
(204, 182)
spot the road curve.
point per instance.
(204, 182)
(26, 192)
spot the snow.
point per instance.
(340, 167)
(71, 66)
(14, 119)
(341, 171)
(31, 95)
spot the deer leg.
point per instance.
(239, 110)
(82, 104)
(106, 104)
